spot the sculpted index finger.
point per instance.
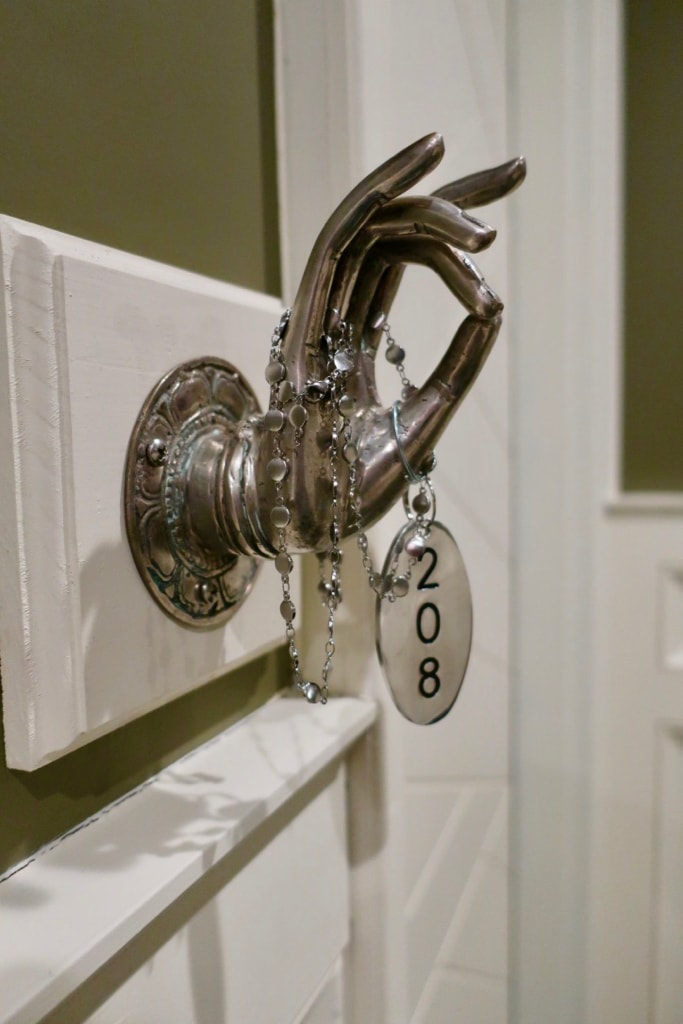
(390, 180)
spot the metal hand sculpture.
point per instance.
(353, 274)
(215, 494)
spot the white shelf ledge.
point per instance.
(81, 900)
(645, 503)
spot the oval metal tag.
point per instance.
(424, 638)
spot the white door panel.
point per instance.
(86, 333)
(637, 912)
(597, 922)
(439, 66)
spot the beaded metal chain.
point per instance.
(283, 394)
(288, 405)
(389, 585)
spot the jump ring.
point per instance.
(413, 477)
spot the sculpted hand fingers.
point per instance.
(431, 215)
(372, 301)
(485, 186)
(422, 418)
(377, 286)
(459, 367)
(381, 186)
(380, 276)
(406, 217)
(455, 269)
(425, 414)
(357, 288)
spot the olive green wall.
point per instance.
(147, 125)
(653, 303)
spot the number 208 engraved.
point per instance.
(428, 626)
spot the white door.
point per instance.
(427, 870)
(597, 924)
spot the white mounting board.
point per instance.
(87, 331)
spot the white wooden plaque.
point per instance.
(86, 333)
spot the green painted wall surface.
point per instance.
(147, 125)
(653, 299)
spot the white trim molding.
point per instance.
(78, 902)
(645, 503)
(565, 318)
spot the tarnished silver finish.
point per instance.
(189, 426)
(424, 640)
(352, 277)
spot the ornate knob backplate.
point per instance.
(187, 427)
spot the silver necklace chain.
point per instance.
(389, 585)
(288, 405)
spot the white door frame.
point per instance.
(415, 905)
(565, 301)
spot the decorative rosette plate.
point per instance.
(183, 438)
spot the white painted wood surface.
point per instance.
(635, 961)
(328, 1005)
(86, 332)
(243, 845)
(428, 806)
(598, 628)
(447, 875)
